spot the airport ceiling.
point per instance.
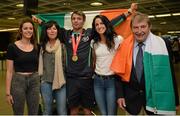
(8, 9)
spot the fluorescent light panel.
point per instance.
(176, 14)
(151, 16)
(11, 29)
(163, 23)
(20, 5)
(96, 4)
(11, 18)
(173, 32)
(163, 15)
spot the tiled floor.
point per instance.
(6, 109)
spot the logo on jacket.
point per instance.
(85, 38)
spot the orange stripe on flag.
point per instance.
(124, 28)
(122, 62)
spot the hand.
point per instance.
(177, 107)
(36, 20)
(9, 99)
(134, 7)
(121, 103)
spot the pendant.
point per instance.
(74, 58)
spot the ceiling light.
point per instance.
(173, 32)
(177, 31)
(163, 15)
(176, 14)
(11, 18)
(66, 3)
(96, 4)
(170, 32)
(11, 29)
(151, 16)
(20, 5)
(163, 23)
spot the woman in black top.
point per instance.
(22, 80)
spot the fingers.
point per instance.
(177, 107)
(121, 103)
(9, 100)
(36, 20)
(134, 6)
(39, 21)
(12, 101)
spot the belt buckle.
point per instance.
(105, 77)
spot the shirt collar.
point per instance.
(136, 43)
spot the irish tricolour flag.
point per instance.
(158, 78)
(64, 19)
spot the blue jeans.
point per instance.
(25, 88)
(105, 95)
(49, 95)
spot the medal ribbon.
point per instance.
(75, 44)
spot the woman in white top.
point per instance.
(104, 44)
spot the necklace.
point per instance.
(25, 45)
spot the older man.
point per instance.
(147, 83)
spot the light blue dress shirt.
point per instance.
(136, 49)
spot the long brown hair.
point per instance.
(19, 34)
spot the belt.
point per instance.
(26, 74)
(105, 77)
(81, 78)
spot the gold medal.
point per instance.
(74, 58)
(75, 44)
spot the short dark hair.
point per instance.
(80, 13)
(140, 17)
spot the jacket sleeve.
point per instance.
(169, 48)
(119, 87)
(118, 20)
(62, 35)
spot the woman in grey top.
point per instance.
(51, 69)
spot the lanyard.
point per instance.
(75, 44)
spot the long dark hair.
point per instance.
(109, 33)
(44, 37)
(33, 39)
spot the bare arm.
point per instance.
(9, 72)
(122, 17)
(36, 20)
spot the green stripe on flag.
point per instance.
(58, 17)
(159, 84)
